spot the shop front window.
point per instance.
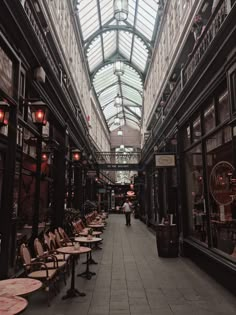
(223, 107)
(197, 133)
(209, 118)
(222, 201)
(195, 193)
(187, 137)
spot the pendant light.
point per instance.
(117, 121)
(121, 9)
(118, 68)
(118, 101)
(119, 132)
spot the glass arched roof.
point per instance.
(106, 40)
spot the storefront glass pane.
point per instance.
(222, 193)
(187, 137)
(197, 133)
(195, 193)
(223, 107)
(209, 118)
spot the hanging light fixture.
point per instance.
(119, 132)
(118, 68)
(117, 101)
(120, 9)
(117, 121)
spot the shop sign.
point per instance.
(220, 183)
(6, 73)
(165, 160)
(119, 167)
(91, 174)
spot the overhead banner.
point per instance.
(119, 167)
(165, 160)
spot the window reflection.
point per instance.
(209, 118)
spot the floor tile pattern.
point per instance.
(132, 280)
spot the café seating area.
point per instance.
(51, 263)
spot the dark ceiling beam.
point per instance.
(135, 21)
(132, 112)
(115, 115)
(121, 95)
(128, 99)
(100, 27)
(124, 28)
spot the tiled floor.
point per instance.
(132, 279)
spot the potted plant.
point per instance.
(90, 234)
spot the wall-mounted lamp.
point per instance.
(4, 113)
(45, 156)
(76, 155)
(39, 112)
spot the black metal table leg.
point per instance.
(73, 292)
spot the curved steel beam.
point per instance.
(117, 83)
(118, 28)
(128, 118)
(108, 62)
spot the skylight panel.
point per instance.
(106, 7)
(109, 43)
(88, 15)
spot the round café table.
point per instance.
(73, 292)
(19, 286)
(11, 304)
(85, 233)
(88, 241)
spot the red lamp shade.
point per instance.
(4, 113)
(45, 156)
(76, 155)
(39, 112)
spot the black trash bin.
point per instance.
(167, 240)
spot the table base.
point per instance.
(86, 274)
(97, 247)
(90, 261)
(73, 293)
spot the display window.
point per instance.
(210, 177)
(222, 206)
(209, 118)
(195, 193)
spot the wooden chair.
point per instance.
(50, 260)
(64, 237)
(50, 242)
(38, 270)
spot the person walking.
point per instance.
(127, 211)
